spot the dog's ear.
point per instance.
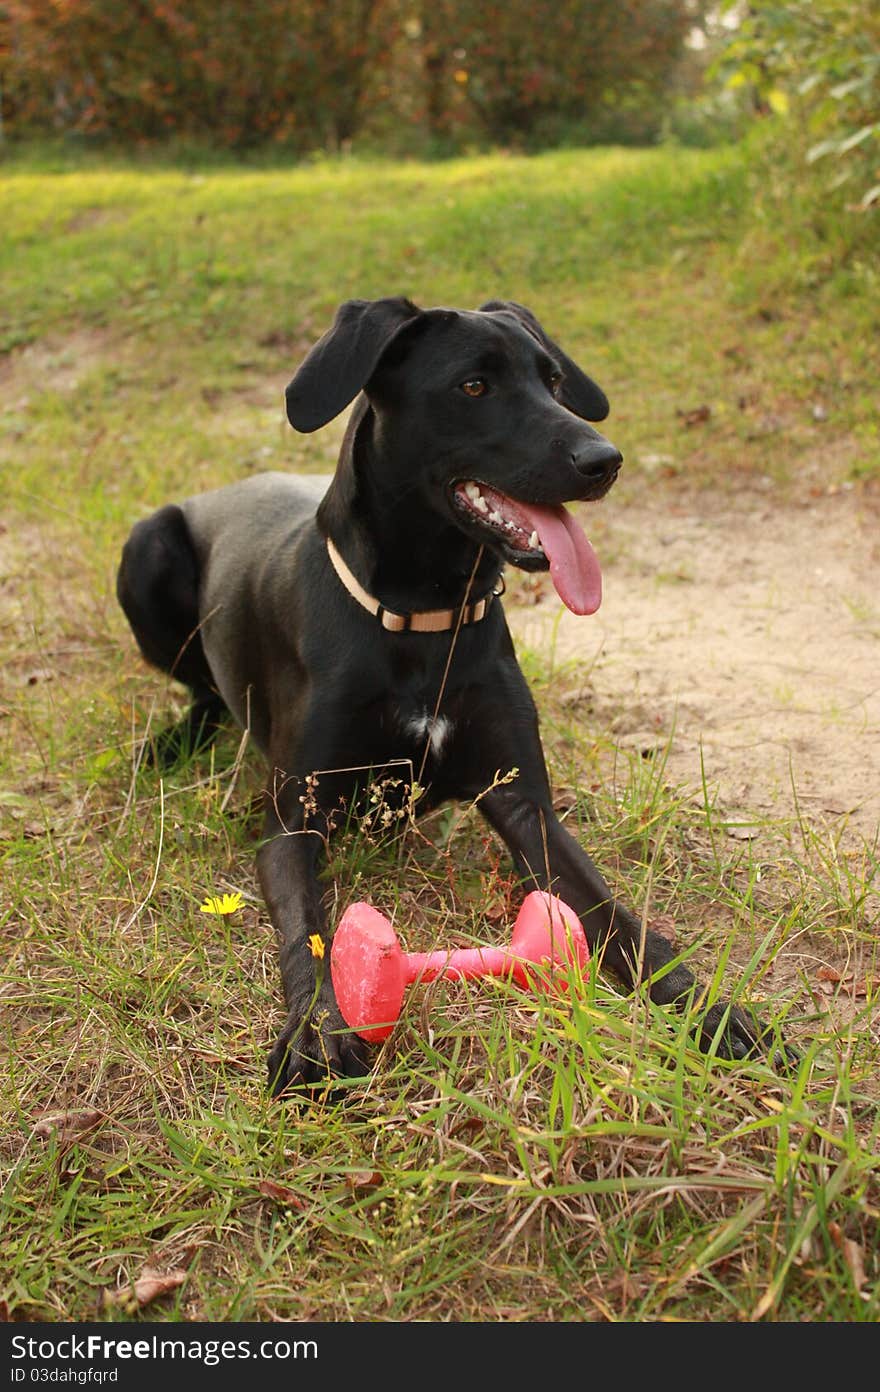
(345, 358)
(579, 392)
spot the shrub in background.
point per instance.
(313, 73)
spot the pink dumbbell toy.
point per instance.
(370, 970)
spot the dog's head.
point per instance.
(481, 414)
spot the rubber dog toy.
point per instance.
(370, 970)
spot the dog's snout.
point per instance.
(598, 462)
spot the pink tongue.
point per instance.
(574, 566)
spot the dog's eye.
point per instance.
(475, 386)
(556, 382)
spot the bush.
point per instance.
(308, 72)
(817, 64)
(237, 73)
(522, 73)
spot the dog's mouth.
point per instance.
(535, 536)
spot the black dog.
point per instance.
(353, 626)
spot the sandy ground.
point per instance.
(747, 634)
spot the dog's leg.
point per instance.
(314, 1041)
(546, 855)
(157, 586)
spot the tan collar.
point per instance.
(425, 621)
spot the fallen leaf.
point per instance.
(363, 1179)
(772, 1103)
(147, 1288)
(831, 978)
(853, 1254)
(696, 416)
(67, 1126)
(280, 1193)
(827, 979)
(151, 1284)
(469, 1125)
(828, 974)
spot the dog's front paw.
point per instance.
(742, 1036)
(315, 1044)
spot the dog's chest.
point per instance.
(424, 731)
(410, 718)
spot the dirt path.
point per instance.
(750, 634)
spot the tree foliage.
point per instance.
(241, 72)
(311, 71)
(521, 69)
(821, 60)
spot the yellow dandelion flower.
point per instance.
(222, 903)
(316, 946)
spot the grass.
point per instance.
(507, 1159)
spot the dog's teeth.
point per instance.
(496, 517)
(534, 541)
(475, 497)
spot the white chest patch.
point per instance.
(436, 732)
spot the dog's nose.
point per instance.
(598, 461)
